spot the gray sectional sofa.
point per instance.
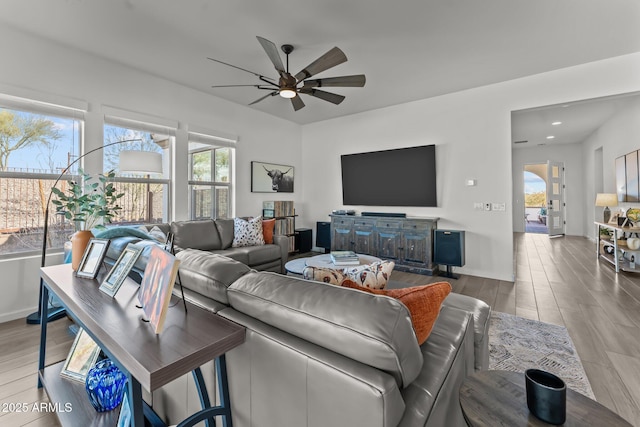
(211, 236)
(321, 355)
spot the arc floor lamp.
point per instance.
(130, 161)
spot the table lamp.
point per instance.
(605, 200)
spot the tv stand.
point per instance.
(406, 241)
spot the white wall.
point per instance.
(472, 131)
(571, 156)
(37, 66)
(618, 136)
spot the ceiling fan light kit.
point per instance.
(288, 85)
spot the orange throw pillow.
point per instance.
(423, 303)
(267, 230)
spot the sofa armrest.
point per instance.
(283, 242)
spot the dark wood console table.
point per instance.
(406, 241)
(187, 341)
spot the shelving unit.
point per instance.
(620, 263)
(285, 215)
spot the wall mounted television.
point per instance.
(399, 177)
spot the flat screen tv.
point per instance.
(400, 177)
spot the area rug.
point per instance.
(517, 344)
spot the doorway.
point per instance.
(535, 198)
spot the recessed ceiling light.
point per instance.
(550, 137)
(556, 123)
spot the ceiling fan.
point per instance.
(290, 86)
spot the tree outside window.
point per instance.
(34, 149)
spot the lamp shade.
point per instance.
(140, 162)
(606, 199)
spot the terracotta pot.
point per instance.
(79, 241)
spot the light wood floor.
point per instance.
(558, 281)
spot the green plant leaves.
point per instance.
(88, 202)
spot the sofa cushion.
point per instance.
(267, 230)
(374, 276)
(209, 274)
(225, 229)
(238, 254)
(154, 232)
(423, 303)
(201, 234)
(375, 331)
(323, 274)
(247, 232)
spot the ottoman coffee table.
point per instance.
(296, 266)
(499, 398)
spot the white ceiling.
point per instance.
(578, 120)
(409, 50)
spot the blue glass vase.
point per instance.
(105, 384)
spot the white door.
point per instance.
(555, 198)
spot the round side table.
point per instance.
(499, 398)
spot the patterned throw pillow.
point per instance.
(423, 303)
(321, 274)
(247, 233)
(374, 276)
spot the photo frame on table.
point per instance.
(82, 356)
(614, 218)
(156, 286)
(120, 270)
(124, 419)
(271, 178)
(92, 259)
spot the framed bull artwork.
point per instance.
(271, 178)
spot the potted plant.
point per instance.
(88, 204)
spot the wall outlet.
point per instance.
(478, 206)
(498, 206)
(487, 206)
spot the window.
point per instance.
(146, 197)
(37, 142)
(210, 186)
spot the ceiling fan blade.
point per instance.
(327, 96)
(264, 97)
(258, 86)
(242, 69)
(297, 103)
(330, 59)
(272, 52)
(343, 81)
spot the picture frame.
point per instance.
(271, 178)
(124, 418)
(93, 257)
(82, 356)
(156, 286)
(111, 284)
(614, 218)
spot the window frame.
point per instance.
(167, 159)
(211, 143)
(58, 108)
